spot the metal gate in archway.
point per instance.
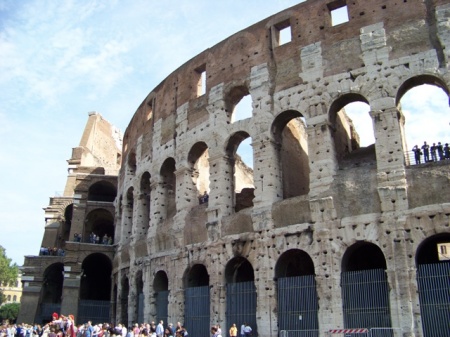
(92, 310)
(298, 306)
(162, 304)
(241, 305)
(434, 295)
(365, 299)
(140, 311)
(196, 311)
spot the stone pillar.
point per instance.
(71, 289)
(391, 175)
(148, 291)
(176, 296)
(221, 196)
(328, 279)
(158, 213)
(266, 317)
(132, 301)
(186, 196)
(218, 304)
(400, 296)
(127, 220)
(266, 172)
(322, 156)
(323, 166)
(140, 220)
(29, 301)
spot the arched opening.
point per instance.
(99, 227)
(95, 288)
(243, 109)
(241, 293)
(51, 292)
(161, 289)
(433, 281)
(198, 159)
(197, 300)
(240, 154)
(96, 278)
(131, 163)
(296, 292)
(424, 103)
(65, 235)
(139, 297)
(102, 191)
(364, 273)
(127, 219)
(124, 300)
(143, 218)
(289, 131)
(353, 139)
(168, 181)
(239, 104)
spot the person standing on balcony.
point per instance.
(426, 152)
(417, 154)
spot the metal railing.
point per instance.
(410, 159)
(339, 332)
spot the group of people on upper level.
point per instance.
(93, 238)
(431, 153)
(49, 251)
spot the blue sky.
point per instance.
(61, 59)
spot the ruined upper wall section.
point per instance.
(100, 146)
(317, 49)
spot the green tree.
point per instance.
(8, 272)
(9, 311)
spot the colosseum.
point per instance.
(317, 235)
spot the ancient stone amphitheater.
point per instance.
(317, 235)
(325, 235)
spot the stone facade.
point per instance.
(317, 199)
(64, 280)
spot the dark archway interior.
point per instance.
(99, 222)
(96, 278)
(65, 235)
(196, 152)
(124, 298)
(233, 98)
(169, 180)
(145, 183)
(294, 262)
(132, 163)
(346, 139)
(139, 282)
(130, 198)
(102, 191)
(161, 282)
(239, 270)
(428, 250)
(53, 283)
(289, 132)
(363, 256)
(197, 276)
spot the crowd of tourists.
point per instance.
(51, 251)
(94, 238)
(65, 327)
(431, 153)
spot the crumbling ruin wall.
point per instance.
(348, 197)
